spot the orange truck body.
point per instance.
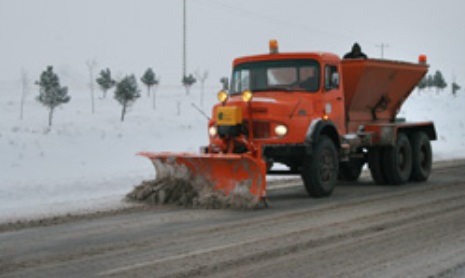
(330, 127)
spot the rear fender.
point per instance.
(386, 134)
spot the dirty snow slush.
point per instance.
(188, 192)
(363, 230)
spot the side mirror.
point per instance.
(225, 82)
(332, 82)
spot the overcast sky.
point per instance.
(130, 35)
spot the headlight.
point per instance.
(222, 96)
(280, 130)
(247, 96)
(212, 131)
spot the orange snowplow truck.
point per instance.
(321, 116)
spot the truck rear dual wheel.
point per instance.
(376, 165)
(422, 156)
(391, 165)
(320, 170)
(411, 159)
(398, 161)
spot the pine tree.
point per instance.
(429, 81)
(149, 79)
(51, 93)
(126, 93)
(422, 84)
(188, 81)
(455, 88)
(438, 81)
(105, 81)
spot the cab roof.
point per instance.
(319, 56)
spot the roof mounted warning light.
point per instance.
(273, 46)
(422, 59)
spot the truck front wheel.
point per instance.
(320, 170)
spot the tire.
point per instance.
(376, 165)
(398, 161)
(422, 156)
(350, 171)
(320, 170)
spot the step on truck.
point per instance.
(321, 116)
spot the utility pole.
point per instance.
(382, 46)
(91, 65)
(184, 42)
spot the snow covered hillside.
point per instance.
(87, 161)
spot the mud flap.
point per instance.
(228, 174)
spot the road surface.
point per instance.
(362, 230)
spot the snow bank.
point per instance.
(87, 161)
(448, 114)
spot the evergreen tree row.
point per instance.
(52, 94)
(106, 82)
(437, 81)
(429, 81)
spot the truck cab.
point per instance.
(293, 93)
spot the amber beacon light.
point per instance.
(273, 46)
(422, 59)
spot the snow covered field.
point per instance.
(87, 161)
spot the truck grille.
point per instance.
(261, 129)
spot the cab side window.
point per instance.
(331, 78)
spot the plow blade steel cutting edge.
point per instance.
(226, 173)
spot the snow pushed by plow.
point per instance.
(176, 185)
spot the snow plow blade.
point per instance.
(227, 174)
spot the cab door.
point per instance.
(332, 96)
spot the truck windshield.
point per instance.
(276, 75)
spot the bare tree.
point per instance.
(178, 107)
(154, 95)
(25, 90)
(201, 77)
(91, 65)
